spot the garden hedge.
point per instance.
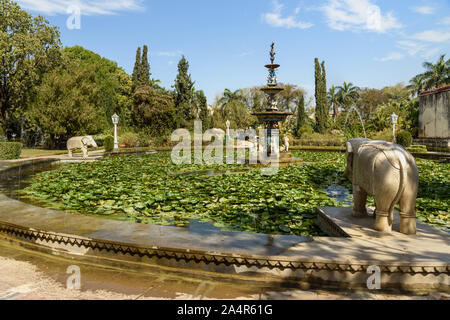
(10, 150)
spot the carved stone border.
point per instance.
(33, 235)
(328, 226)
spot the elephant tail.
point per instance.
(399, 153)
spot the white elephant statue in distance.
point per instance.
(387, 172)
(80, 143)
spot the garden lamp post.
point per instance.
(115, 121)
(394, 119)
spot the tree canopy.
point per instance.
(29, 46)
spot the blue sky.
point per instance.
(371, 43)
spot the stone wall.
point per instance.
(434, 114)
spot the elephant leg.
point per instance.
(70, 153)
(359, 199)
(85, 152)
(384, 216)
(407, 210)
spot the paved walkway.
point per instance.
(25, 276)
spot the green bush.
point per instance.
(304, 130)
(10, 150)
(129, 139)
(108, 143)
(144, 139)
(404, 138)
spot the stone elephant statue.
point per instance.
(387, 172)
(80, 143)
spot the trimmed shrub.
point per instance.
(108, 143)
(404, 138)
(10, 150)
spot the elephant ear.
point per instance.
(85, 140)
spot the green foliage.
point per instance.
(304, 130)
(417, 149)
(108, 143)
(129, 139)
(184, 93)
(317, 139)
(153, 110)
(68, 103)
(141, 71)
(437, 74)
(137, 68)
(202, 109)
(29, 46)
(404, 138)
(114, 82)
(322, 104)
(301, 117)
(10, 150)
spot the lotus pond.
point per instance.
(150, 189)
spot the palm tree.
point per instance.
(437, 74)
(347, 94)
(333, 98)
(416, 85)
(230, 96)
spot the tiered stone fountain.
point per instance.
(271, 116)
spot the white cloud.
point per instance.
(87, 7)
(432, 36)
(275, 18)
(358, 15)
(423, 10)
(391, 56)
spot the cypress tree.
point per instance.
(144, 76)
(301, 114)
(317, 93)
(203, 113)
(183, 94)
(323, 95)
(136, 69)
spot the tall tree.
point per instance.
(320, 95)
(437, 74)
(144, 77)
(137, 68)
(28, 48)
(202, 106)
(183, 94)
(301, 114)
